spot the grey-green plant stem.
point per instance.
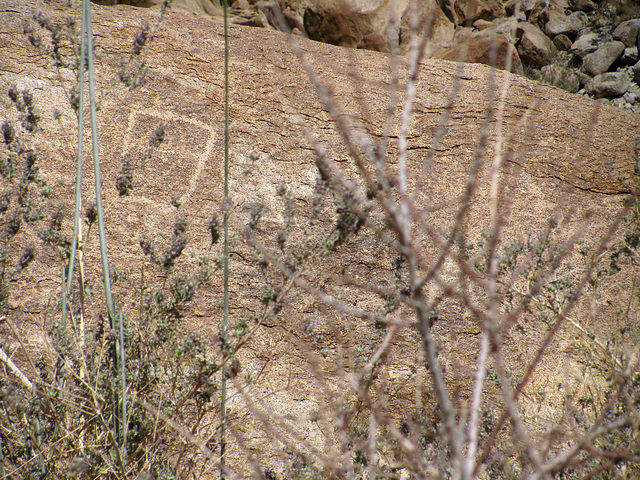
(78, 206)
(225, 315)
(86, 20)
(123, 380)
(96, 167)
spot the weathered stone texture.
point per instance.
(569, 157)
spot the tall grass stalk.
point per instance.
(86, 22)
(123, 381)
(78, 201)
(86, 63)
(225, 316)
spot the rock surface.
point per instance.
(560, 24)
(628, 32)
(601, 60)
(585, 44)
(580, 26)
(535, 48)
(636, 73)
(570, 158)
(494, 50)
(612, 84)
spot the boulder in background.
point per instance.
(610, 84)
(601, 60)
(628, 32)
(534, 47)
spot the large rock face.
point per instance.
(568, 158)
(550, 34)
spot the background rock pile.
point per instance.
(578, 45)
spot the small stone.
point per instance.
(579, 21)
(636, 73)
(558, 24)
(562, 42)
(523, 5)
(482, 24)
(583, 6)
(502, 25)
(618, 102)
(471, 10)
(629, 56)
(585, 44)
(570, 26)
